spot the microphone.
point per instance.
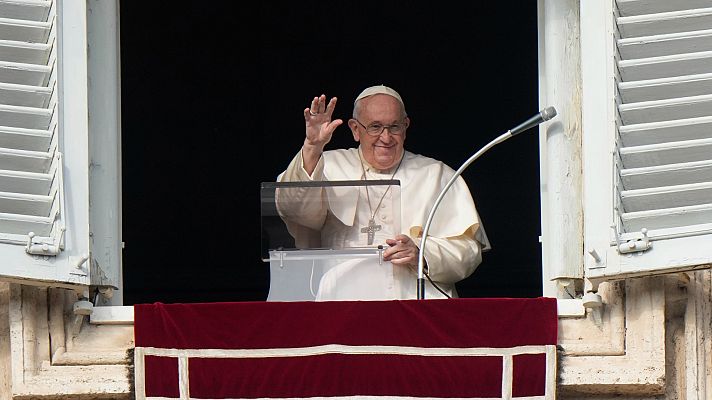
(543, 115)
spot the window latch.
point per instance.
(39, 248)
(636, 245)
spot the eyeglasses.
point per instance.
(377, 129)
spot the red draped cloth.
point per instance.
(456, 348)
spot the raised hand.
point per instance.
(319, 125)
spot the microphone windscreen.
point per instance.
(548, 113)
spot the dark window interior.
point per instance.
(212, 100)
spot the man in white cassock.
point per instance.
(456, 238)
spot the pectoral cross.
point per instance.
(371, 230)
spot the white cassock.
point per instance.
(455, 240)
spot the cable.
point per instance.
(427, 275)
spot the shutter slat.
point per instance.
(666, 131)
(666, 109)
(666, 66)
(667, 175)
(25, 182)
(640, 7)
(665, 88)
(664, 23)
(22, 52)
(24, 224)
(665, 45)
(24, 74)
(25, 117)
(21, 160)
(689, 217)
(667, 197)
(24, 31)
(24, 96)
(25, 139)
(666, 153)
(25, 9)
(25, 204)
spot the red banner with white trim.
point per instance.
(455, 348)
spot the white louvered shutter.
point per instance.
(33, 210)
(662, 146)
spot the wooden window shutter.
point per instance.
(662, 151)
(33, 219)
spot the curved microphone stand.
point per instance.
(544, 115)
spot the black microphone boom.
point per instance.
(543, 115)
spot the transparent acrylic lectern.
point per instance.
(319, 235)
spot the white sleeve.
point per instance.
(295, 171)
(452, 259)
(304, 219)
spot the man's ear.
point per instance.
(407, 125)
(354, 129)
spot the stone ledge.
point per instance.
(641, 370)
(78, 382)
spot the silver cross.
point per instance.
(371, 230)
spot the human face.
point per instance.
(385, 150)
